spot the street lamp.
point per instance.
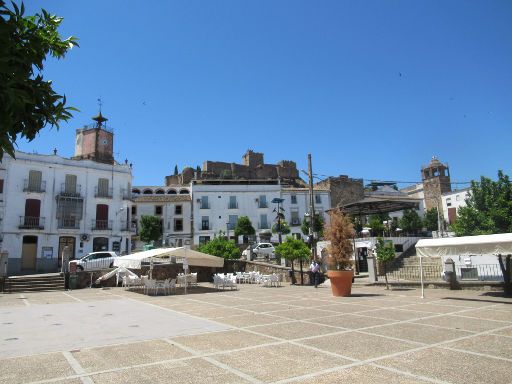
(279, 215)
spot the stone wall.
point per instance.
(343, 190)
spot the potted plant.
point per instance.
(340, 232)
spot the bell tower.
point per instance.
(95, 141)
(436, 181)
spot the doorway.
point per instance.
(362, 259)
(66, 241)
(29, 253)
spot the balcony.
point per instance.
(263, 225)
(262, 204)
(205, 227)
(233, 205)
(70, 190)
(31, 222)
(103, 192)
(204, 206)
(68, 223)
(231, 226)
(29, 186)
(101, 225)
(295, 222)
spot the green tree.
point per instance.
(318, 225)
(411, 221)
(376, 223)
(385, 254)
(220, 246)
(150, 228)
(244, 227)
(488, 208)
(28, 102)
(293, 249)
(285, 228)
(430, 220)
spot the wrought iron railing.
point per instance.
(103, 192)
(101, 225)
(30, 186)
(31, 222)
(70, 190)
(70, 223)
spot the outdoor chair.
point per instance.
(151, 284)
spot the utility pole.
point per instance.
(311, 210)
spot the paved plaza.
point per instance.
(289, 334)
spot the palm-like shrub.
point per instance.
(340, 233)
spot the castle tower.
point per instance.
(252, 159)
(95, 142)
(436, 181)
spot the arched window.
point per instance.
(159, 192)
(183, 191)
(136, 191)
(147, 192)
(171, 192)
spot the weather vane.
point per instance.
(100, 103)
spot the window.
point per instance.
(449, 202)
(232, 221)
(205, 223)
(232, 202)
(263, 202)
(70, 187)
(295, 220)
(102, 189)
(318, 199)
(34, 181)
(158, 209)
(178, 210)
(294, 199)
(178, 225)
(457, 198)
(204, 202)
(204, 239)
(264, 222)
(1, 185)
(134, 210)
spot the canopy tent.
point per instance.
(371, 205)
(118, 272)
(194, 258)
(477, 245)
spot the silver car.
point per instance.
(94, 261)
(263, 249)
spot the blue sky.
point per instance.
(371, 89)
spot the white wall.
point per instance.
(218, 212)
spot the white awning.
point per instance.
(465, 245)
(194, 258)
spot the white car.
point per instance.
(263, 249)
(95, 260)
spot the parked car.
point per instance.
(95, 260)
(261, 249)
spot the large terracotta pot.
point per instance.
(341, 282)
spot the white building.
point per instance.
(452, 201)
(173, 209)
(218, 204)
(296, 206)
(49, 202)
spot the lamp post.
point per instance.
(279, 216)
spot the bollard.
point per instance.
(449, 274)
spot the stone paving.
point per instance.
(290, 334)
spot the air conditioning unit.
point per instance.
(84, 237)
